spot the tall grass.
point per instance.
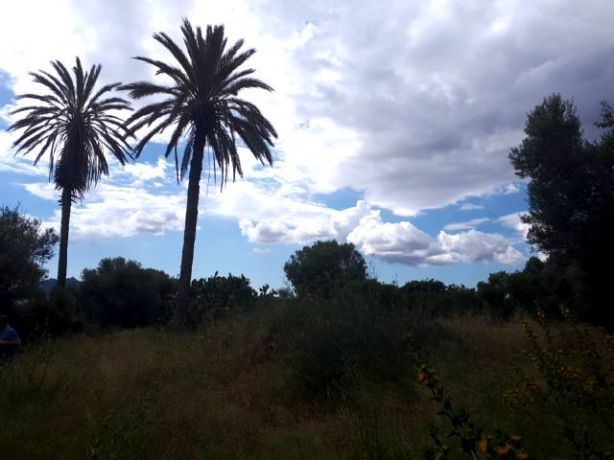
(243, 387)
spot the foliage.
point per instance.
(333, 344)
(123, 293)
(322, 268)
(74, 122)
(434, 298)
(24, 248)
(507, 293)
(473, 440)
(573, 382)
(214, 297)
(49, 316)
(202, 104)
(571, 196)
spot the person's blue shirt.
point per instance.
(8, 352)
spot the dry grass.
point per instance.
(222, 393)
(219, 393)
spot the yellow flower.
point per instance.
(522, 455)
(504, 451)
(426, 375)
(483, 443)
(515, 438)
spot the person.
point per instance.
(9, 341)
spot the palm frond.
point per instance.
(202, 102)
(75, 124)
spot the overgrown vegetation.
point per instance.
(294, 381)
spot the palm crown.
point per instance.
(75, 123)
(202, 102)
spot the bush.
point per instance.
(321, 269)
(41, 317)
(24, 248)
(216, 296)
(434, 298)
(122, 293)
(332, 345)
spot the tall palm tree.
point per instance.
(202, 106)
(74, 122)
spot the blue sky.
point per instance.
(394, 128)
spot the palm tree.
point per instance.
(74, 122)
(202, 106)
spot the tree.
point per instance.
(214, 297)
(552, 156)
(73, 121)
(324, 267)
(571, 198)
(202, 105)
(123, 293)
(24, 249)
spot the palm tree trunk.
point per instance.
(189, 233)
(66, 203)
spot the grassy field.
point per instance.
(227, 391)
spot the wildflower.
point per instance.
(515, 439)
(426, 375)
(504, 451)
(522, 455)
(483, 443)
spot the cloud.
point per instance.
(402, 242)
(295, 221)
(111, 211)
(265, 216)
(433, 97)
(470, 207)
(514, 222)
(476, 246)
(363, 225)
(417, 113)
(17, 164)
(399, 242)
(509, 189)
(142, 172)
(467, 225)
(266, 232)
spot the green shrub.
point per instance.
(122, 293)
(321, 269)
(41, 316)
(214, 297)
(332, 345)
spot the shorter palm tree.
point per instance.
(74, 123)
(202, 105)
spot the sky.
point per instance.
(395, 121)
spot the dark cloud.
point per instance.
(439, 90)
